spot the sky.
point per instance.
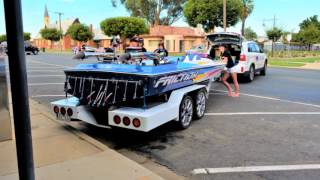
(289, 13)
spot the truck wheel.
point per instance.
(263, 72)
(200, 104)
(250, 76)
(185, 112)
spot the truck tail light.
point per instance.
(63, 111)
(126, 121)
(56, 109)
(136, 122)
(69, 112)
(117, 119)
(243, 57)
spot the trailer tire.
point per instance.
(186, 112)
(200, 105)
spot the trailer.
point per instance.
(138, 96)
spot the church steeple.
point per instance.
(46, 17)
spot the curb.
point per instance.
(44, 111)
(288, 67)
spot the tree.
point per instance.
(310, 35)
(51, 34)
(249, 34)
(245, 10)
(274, 34)
(309, 32)
(125, 27)
(3, 37)
(26, 36)
(209, 13)
(156, 12)
(313, 20)
(80, 32)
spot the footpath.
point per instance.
(314, 66)
(63, 153)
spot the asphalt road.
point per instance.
(274, 122)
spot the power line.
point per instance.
(274, 19)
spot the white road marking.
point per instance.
(45, 75)
(262, 113)
(255, 169)
(54, 68)
(44, 71)
(33, 61)
(44, 84)
(48, 95)
(274, 99)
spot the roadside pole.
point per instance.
(225, 15)
(19, 88)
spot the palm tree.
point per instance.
(246, 9)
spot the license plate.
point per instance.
(63, 117)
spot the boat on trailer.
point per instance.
(134, 94)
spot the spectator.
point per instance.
(161, 50)
(141, 44)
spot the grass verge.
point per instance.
(293, 62)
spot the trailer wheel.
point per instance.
(200, 104)
(186, 112)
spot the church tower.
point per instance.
(46, 17)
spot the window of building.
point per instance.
(168, 45)
(153, 44)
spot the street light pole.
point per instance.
(60, 14)
(225, 15)
(19, 88)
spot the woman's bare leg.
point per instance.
(236, 84)
(224, 81)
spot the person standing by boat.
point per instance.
(133, 45)
(161, 50)
(141, 44)
(230, 70)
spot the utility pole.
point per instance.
(60, 14)
(225, 15)
(274, 19)
(19, 89)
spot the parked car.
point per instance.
(248, 56)
(89, 49)
(28, 48)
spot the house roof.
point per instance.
(99, 35)
(172, 30)
(65, 24)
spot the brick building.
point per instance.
(176, 39)
(66, 42)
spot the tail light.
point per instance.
(117, 119)
(63, 111)
(126, 121)
(136, 122)
(242, 69)
(56, 109)
(69, 112)
(243, 58)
